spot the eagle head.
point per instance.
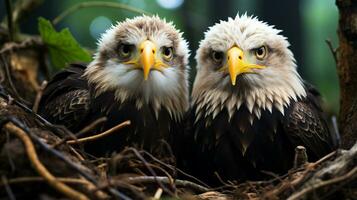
(143, 59)
(245, 61)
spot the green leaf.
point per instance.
(63, 48)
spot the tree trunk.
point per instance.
(347, 70)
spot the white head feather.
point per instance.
(164, 89)
(274, 86)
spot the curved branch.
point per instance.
(166, 180)
(82, 5)
(40, 168)
(105, 133)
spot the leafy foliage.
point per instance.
(63, 48)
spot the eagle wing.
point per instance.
(66, 99)
(305, 125)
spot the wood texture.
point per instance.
(347, 70)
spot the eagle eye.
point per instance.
(217, 56)
(261, 52)
(167, 53)
(125, 50)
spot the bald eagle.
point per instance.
(250, 107)
(139, 73)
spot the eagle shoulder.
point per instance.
(66, 99)
(305, 125)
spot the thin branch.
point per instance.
(23, 8)
(81, 132)
(10, 21)
(137, 154)
(158, 194)
(91, 126)
(351, 175)
(323, 159)
(95, 137)
(40, 168)
(79, 181)
(9, 78)
(58, 130)
(9, 192)
(175, 168)
(82, 5)
(138, 192)
(56, 153)
(30, 179)
(332, 49)
(166, 180)
(39, 96)
(30, 42)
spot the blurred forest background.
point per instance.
(306, 24)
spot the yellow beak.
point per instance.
(237, 65)
(147, 57)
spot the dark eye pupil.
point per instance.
(217, 56)
(126, 49)
(167, 51)
(260, 51)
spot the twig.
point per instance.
(58, 154)
(81, 132)
(40, 168)
(10, 21)
(220, 179)
(9, 192)
(39, 96)
(162, 170)
(29, 42)
(91, 126)
(306, 174)
(55, 129)
(158, 194)
(323, 159)
(300, 156)
(41, 179)
(79, 156)
(178, 170)
(8, 75)
(95, 137)
(134, 189)
(23, 8)
(332, 49)
(166, 180)
(137, 154)
(79, 181)
(74, 166)
(349, 176)
(82, 5)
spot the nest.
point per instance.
(36, 163)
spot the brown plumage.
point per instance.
(139, 74)
(250, 108)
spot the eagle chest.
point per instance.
(241, 148)
(145, 131)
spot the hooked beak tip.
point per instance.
(233, 81)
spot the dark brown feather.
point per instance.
(305, 125)
(69, 100)
(238, 150)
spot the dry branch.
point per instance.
(166, 180)
(95, 137)
(339, 170)
(40, 168)
(96, 4)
